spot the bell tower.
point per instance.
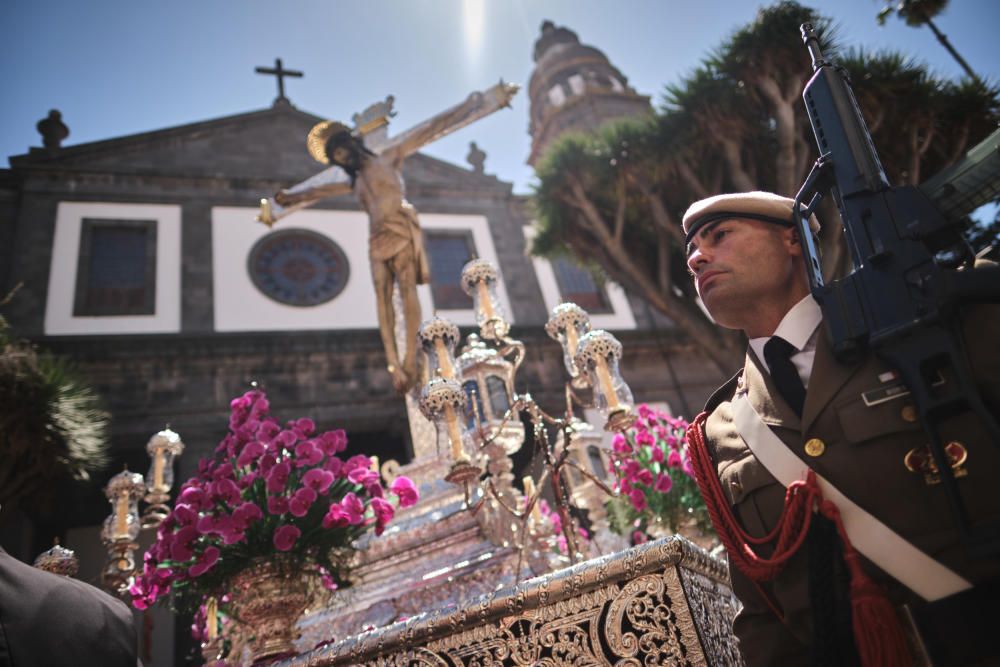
(574, 87)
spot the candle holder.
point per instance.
(162, 448)
(479, 280)
(598, 355)
(58, 560)
(121, 529)
(494, 409)
(443, 403)
(567, 324)
(438, 338)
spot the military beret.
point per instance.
(764, 206)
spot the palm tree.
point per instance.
(614, 197)
(51, 425)
(922, 12)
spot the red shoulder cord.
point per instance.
(877, 634)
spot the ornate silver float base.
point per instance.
(665, 602)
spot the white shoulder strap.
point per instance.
(916, 570)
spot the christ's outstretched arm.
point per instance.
(331, 182)
(477, 105)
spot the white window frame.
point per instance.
(479, 227)
(620, 318)
(166, 317)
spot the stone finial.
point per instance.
(53, 130)
(552, 35)
(476, 157)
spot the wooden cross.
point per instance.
(281, 73)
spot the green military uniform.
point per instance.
(860, 449)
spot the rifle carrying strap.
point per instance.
(880, 544)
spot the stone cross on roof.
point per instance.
(280, 73)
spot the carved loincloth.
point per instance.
(397, 234)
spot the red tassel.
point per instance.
(878, 635)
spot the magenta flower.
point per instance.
(267, 430)
(285, 537)
(304, 426)
(250, 453)
(363, 476)
(405, 490)
(638, 499)
(301, 502)
(245, 514)
(334, 465)
(383, 514)
(336, 517)
(663, 483)
(674, 459)
(307, 454)
(277, 504)
(286, 439)
(227, 491)
(354, 507)
(620, 444)
(278, 477)
(318, 480)
(185, 515)
(205, 563)
(333, 442)
(645, 438)
(195, 497)
(657, 454)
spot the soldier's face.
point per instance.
(743, 268)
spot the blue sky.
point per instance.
(116, 67)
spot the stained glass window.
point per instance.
(116, 271)
(448, 252)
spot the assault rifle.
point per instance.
(912, 272)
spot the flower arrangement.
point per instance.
(658, 493)
(267, 492)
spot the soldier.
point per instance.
(863, 503)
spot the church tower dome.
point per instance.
(574, 87)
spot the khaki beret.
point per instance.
(764, 206)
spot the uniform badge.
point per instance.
(920, 460)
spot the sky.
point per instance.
(119, 67)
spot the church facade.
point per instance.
(139, 258)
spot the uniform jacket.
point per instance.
(47, 620)
(864, 448)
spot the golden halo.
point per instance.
(319, 135)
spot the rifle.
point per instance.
(912, 272)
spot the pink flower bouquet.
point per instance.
(654, 477)
(267, 491)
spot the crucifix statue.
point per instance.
(369, 163)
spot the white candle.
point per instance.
(454, 433)
(608, 386)
(484, 301)
(444, 363)
(211, 618)
(158, 470)
(121, 516)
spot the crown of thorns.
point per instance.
(320, 135)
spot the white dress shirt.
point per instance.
(799, 326)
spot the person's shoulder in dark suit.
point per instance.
(50, 620)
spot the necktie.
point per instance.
(778, 355)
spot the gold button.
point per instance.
(909, 413)
(815, 447)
